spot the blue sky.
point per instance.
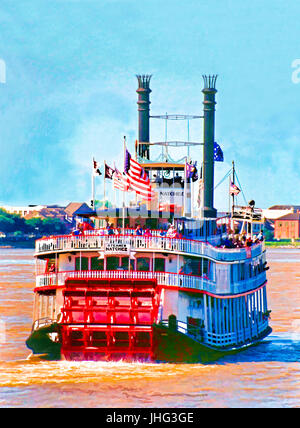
(70, 90)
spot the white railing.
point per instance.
(241, 336)
(142, 243)
(222, 340)
(163, 278)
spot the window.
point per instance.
(50, 267)
(120, 222)
(97, 264)
(125, 262)
(242, 271)
(84, 265)
(159, 265)
(143, 264)
(112, 263)
(197, 266)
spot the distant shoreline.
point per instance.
(278, 244)
(6, 243)
(282, 246)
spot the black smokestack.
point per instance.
(209, 102)
(144, 114)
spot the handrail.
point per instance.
(166, 279)
(151, 243)
(42, 322)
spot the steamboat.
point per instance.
(154, 279)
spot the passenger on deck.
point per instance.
(260, 236)
(162, 232)
(172, 232)
(147, 233)
(227, 243)
(138, 231)
(178, 179)
(249, 241)
(243, 240)
(75, 232)
(158, 179)
(52, 268)
(110, 229)
(237, 243)
(86, 226)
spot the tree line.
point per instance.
(14, 224)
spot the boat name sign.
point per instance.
(117, 248)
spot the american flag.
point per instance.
(120, 181)
(138, 178)
(234, 190)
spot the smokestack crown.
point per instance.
(210, 81)
(144, 81)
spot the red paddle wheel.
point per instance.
(108, 319)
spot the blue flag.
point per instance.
(218, 154)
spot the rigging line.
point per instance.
(224, 178)
(241, 188)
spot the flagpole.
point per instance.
(229, 201)
(192, 198)
(115, 191)
(93, 186)
(104, 195)
(233, 181)
(123, 211)
(185, 188)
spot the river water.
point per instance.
(265, 376)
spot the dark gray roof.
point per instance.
(78, 208)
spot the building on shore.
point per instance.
(23, 211)
(288, 226)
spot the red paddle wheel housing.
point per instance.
(108, 319)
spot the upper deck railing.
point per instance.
(94, 242)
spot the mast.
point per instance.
(233, 182)
(232, 194)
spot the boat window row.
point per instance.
(247, 270)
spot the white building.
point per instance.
(23, 210)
